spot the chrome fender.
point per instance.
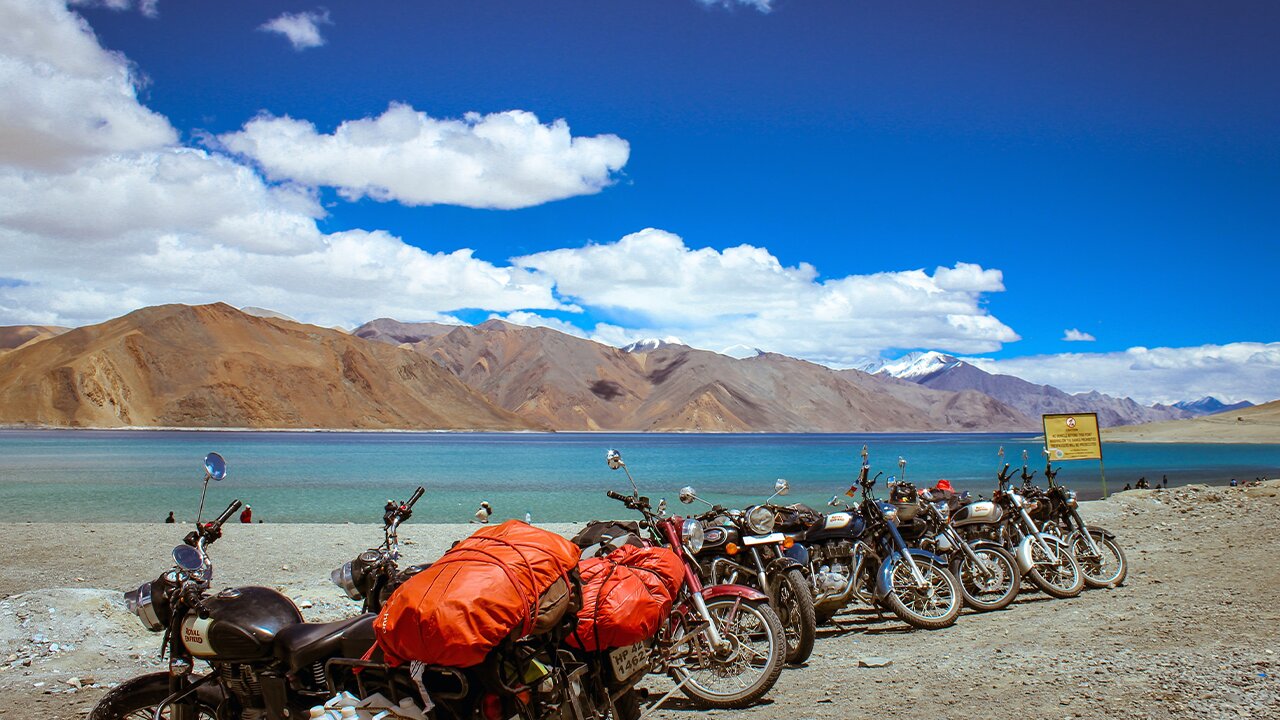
(883, 584)
(1094, 529)
(1023, 551)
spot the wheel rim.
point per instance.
(148, 713)
(933, 601)
(744, 665)
(988, 579)
(1101, 567)
(1063, 574)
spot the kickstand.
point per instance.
(654, 707)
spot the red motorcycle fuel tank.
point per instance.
(240, 625)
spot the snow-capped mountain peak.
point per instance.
(919, 364)
(741, 352)
(651, 344)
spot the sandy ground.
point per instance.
(1256, 425)
(1194, 633)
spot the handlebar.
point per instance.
(1004, 474)
(226, 514)
(416, 495)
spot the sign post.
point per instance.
(1074, 436)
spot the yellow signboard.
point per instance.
(1072, 436)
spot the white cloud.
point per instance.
(62, 96)
(744, 296)
(1231, 373)
(1075, 335)
(301, 28)
(149, 8)
(763, 6)
(502, 160)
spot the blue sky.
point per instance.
(1106, 168)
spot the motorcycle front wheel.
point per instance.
(990, 583)
(739, 675)
(1062, 579)
(138, 698)
(793, 601)
(1107, 568)
(931, 606)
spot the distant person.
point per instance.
(1233, 482)
(1127, 487)
(170, 518)
(528, 517)
(1164, 481)
(485, 511)
(246, 515)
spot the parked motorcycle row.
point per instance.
(718, 601)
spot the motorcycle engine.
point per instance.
(832, 578)
(242, 682)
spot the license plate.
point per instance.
(629, 660)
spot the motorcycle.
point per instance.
(1043, 557)
(374, 574)
(1100, 558)
(740, 546)
(858, 553)
(988, 575)
(265, 663)
(723, 645)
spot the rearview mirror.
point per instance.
(687, 495)
(215, 466)
(614, 458)
(781, 486)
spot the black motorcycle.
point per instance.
(988, 575)
(861, 554)
(374, 574)
(1043, 557)
(1095, 549)
(265, 663)
(741, 546)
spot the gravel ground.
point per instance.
(1193, 633)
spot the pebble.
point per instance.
(874, 662)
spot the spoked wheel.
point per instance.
(990, 583)
(1105, 568)
(137, 699)
(741, 673)
(793, 602)
(933, 605)
(1061, 579)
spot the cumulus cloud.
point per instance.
(763, 6)
(63, 97)
(149, 8)
(1075, 335)
(301, 28)
(502, 160)
(1231, 373)
(744, 295)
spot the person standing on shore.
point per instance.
(170, 518)
(246, 515)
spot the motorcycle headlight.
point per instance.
(760, 520)
(692, 535)
(343, 577)
(141, 603)
(890, 512)
(1071, 498)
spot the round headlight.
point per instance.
(760, 520)
(890, 512)
(140, 603)
(692, 535)
(1071, 498)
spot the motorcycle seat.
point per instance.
(301, 644)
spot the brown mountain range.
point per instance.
(215, 366)
(15, 336)
(569, 383)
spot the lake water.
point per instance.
(117, 476)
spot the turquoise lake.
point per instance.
(130, 476)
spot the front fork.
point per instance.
(1035, 533)
(1084, 532)
(901, 546)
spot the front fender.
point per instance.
(738, 591)
(779, 565)
(1095, 530)
(883, 583)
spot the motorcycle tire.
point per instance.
(137, 699)
(1109, 570)
(793, 602)
(986, 594)
(1065, 580)
(905, 600)
(762, 626)
(627, 707)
